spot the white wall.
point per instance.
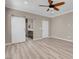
(62, 27)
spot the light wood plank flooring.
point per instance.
(40, 49)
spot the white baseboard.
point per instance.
(24, 41)
(41, 38)
(7, 44)
(62, 39)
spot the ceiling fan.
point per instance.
(54, 6)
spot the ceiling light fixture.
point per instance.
(52, 11)
(25, 2)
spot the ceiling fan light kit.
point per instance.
(25, 2)
(54, 6)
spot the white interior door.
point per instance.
(45, 29)
(18, 29)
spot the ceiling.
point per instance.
(33, 7)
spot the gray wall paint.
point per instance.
(36, 23)
(59, 27)
(62, 27)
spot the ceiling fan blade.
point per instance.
(49, 1)
(56, 9)
(44, 5)
(59, 4)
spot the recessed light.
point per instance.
(25, 2)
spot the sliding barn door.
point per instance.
(18, 29)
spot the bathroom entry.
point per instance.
(29, 28)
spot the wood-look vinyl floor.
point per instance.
(40, 49)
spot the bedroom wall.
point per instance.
(62, 27)
(59, 27)
(36, 23)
